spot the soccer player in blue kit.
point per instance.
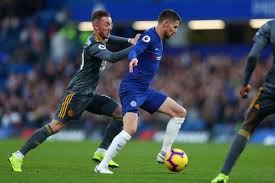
(135, 91)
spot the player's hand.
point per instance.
(132, 64)
(135, 39)
(245, 90)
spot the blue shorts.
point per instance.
(150, 101)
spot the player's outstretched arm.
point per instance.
(134, 40)
(99, 50)
(117, 39)
(261, 39)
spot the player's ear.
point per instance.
(165, 23)
(95, 25)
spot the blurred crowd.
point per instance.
(40, 54)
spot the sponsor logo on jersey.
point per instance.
(157, 58)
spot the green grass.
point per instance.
(67, 162)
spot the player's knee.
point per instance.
(56, 126)
(117, 113)
(131, 131)
(248, 126)
(251, 122)
(180, 112)
(130, 121)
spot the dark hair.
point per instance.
(99, 14)
(169, 14)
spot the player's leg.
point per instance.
(253, 119)
(114, 128)
(104, 105)
(38, 137)
(159, 102)
(241, 139)
(130, 105)
(177, 114)
(69, 109)
(259, 108)
(130, 120)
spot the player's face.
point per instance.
(104, 27)
(170, 28)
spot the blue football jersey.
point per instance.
(148, 51)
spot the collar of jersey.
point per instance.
(98, 38)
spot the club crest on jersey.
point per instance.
(146, 39)
(71, 113)
(133, 103)
(102, 47)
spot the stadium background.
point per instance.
(40, 48)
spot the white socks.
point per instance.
(172, 129)
(117, 144)
(121, 139)
(100, 150)
(19, 155)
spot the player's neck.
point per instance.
(160, 32)
(98, 37)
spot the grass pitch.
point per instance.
(70, 162)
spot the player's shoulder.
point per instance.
(271, 22)
(93, 43)
(93, 39)
(148, 35)
(268, 26)
(265, 30)
(150, 30)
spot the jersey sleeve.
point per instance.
(117, 39)
(261, 39)
(263, 34)
(100, 51)
(143, 43)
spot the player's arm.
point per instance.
(99, 50)
(117, 39)
(261, 39)
(139, 48)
